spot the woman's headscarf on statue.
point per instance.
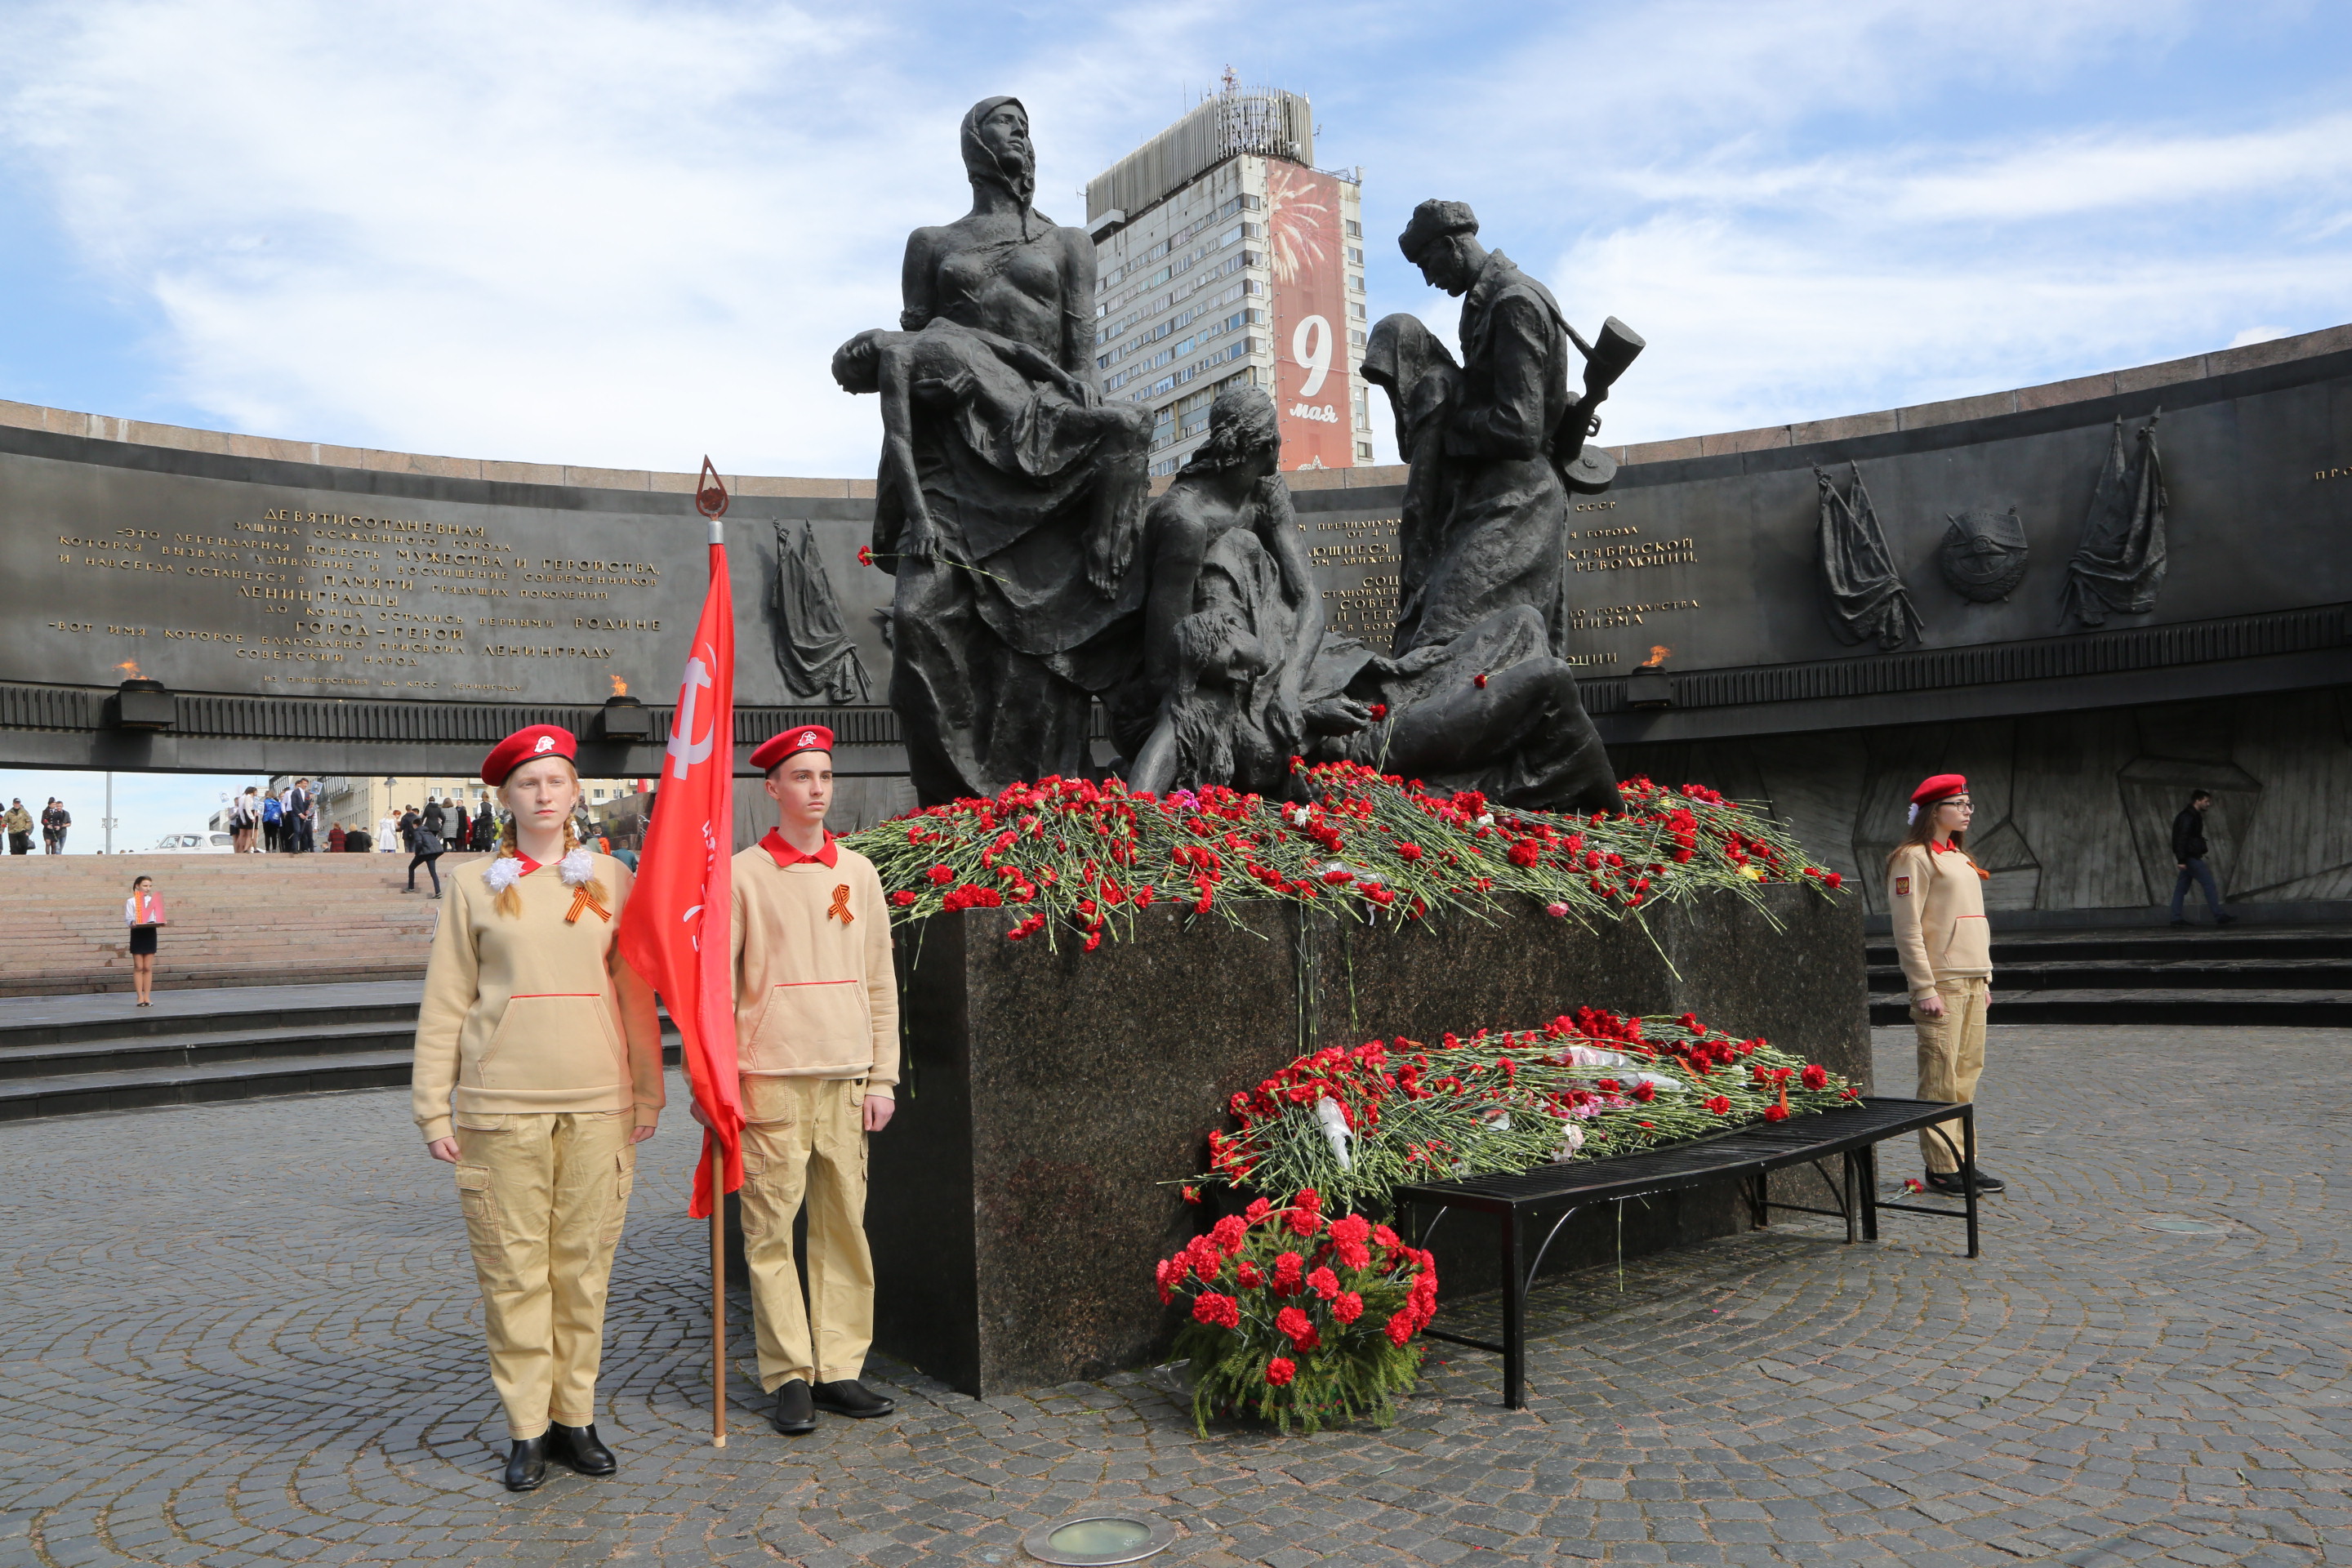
(981, 161)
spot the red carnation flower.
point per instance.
(1227, 1233)
(865, 555)
(1776, 1113)
(1323, 1283)
(1192, 1195)
(1815, 1078)
(1258, 1207)
(942, 874)
(1479, 680)
(1218, 1311)
(1287, 1268)
(1249, 1276)
(1347, 1307)
(1282, 1369)
(1720, 1105)
(902, 899)
(1400, 1327)
(1380, 711)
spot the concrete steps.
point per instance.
(2196, 975)
(67, 1055)
(236, 920)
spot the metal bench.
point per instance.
(1752, 1152)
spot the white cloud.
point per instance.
(610, 232)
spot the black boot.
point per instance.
(526, 1464)
(795, 1416)
(847, 1396)
(578, 1447)
(1950, 1181)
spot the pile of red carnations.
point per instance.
(1082, 859)
(1299, 1318)
(1355, 1124)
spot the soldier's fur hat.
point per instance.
(1434, 220)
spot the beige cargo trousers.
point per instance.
(804, 1142)
(545, 1197)
(1951, 1060)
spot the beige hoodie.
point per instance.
(815, 994)
(526, 1013)
(1937, 903)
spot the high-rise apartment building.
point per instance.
(1224, 258)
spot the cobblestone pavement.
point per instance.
(247, 1334)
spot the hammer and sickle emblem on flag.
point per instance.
(684, 750)
(840, 910)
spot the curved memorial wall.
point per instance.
(317, 609)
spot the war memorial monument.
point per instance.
(2078, 577)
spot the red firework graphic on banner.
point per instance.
(1305, 250)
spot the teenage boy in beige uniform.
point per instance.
(537, 1072)
(1936, 896)
(816, 1022)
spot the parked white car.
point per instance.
(204, 843)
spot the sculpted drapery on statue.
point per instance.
(1010, 496)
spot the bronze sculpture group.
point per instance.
(1033, 579)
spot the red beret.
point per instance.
(806, 738)
(527, 745)
(1937, 788)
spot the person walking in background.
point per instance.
(2189, 852)
(409, 822)
(272, 825)
(429, 847)
(335, 839)
(486, 830)
(143, 912)
(459, 828)
(1936, 894)
(437, 818)
(54, 820)
(244, 817)
(537, 1072)
(19, 823)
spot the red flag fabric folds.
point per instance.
(674, 929)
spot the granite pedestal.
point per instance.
(1026, 1187)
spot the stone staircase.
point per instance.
(68, 1055)
(2197, 974)
(237, 919)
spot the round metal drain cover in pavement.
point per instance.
(2182, 1224)
(1095, 1541)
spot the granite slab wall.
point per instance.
(1055, 1101)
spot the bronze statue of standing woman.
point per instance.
(1011, 497)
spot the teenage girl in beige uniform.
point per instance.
(537, 1072)
(1936, 894)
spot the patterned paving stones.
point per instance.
(245, 1334)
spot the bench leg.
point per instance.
(1759, 1215)
(1868, 1159)
(1515, 1319)
(1853, 1198)
(1969, 1169)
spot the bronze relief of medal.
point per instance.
(1983, 554)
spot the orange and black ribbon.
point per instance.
(840, 908)
(584, 898)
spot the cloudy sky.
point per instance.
(624, 234)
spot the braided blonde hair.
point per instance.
(509, 899)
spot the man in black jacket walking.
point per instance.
(2189, 851)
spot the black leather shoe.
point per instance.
(2225, 920)
(851, 1398)
(526, 1464)
(578, 1447)
(795, 1416)
(1950, 1181)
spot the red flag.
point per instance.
(676, 930)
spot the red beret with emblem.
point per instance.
(528, 745)
(805, 738)
(1942, 786)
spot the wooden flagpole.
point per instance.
(718, 1295)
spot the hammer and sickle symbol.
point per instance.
(684, 750)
